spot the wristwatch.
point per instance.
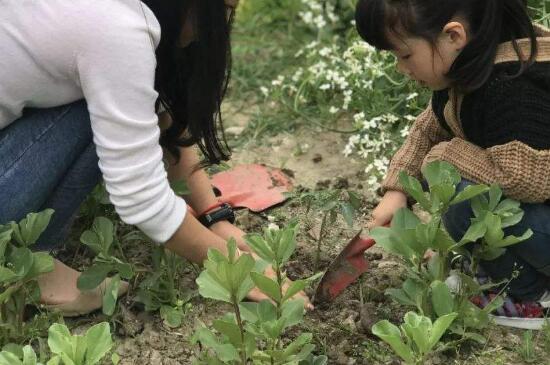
(224, 213)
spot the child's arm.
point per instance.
(425, 133)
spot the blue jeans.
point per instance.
(531, 257)
(47, 160)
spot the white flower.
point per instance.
(272, 227)
(333, 110)
(264, 90)
(324, 87)
(278, 81)
(412, 96)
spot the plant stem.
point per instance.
(320, 240)
(241, 328)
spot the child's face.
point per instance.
(426, 63)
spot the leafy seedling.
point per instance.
(330, 204)
(19, 270)
(159, 291)
(417, 337)
(101, 240)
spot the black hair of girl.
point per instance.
(192, 81)
(491, 22)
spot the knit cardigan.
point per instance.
(504, 137)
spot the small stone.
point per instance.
(317, 158)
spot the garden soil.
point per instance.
(314, 160)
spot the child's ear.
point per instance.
(456, 34)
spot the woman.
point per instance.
(80, 84)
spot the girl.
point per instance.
(80, 84)
(489, 69)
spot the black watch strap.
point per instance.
(224, 213)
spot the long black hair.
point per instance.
(491, 22)
(192, 80)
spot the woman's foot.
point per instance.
(59, 292)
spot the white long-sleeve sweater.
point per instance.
(54, 52)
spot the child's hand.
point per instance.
(391, 202)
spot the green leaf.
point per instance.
(110, 296)
(416, 327)
(294, 289)
(99, 342)
(7, 276)
(512, 240)
(92, 240)
(267, 286)
(29, 356)
(490, 254)
(230, 330)
(260, 247)
(390, 334)
(348, 212)
(91, 278)
(442, 300)
(31, 227)
(105, 230)
(267, 311)
(210, 288)
(7, 358)
(413, 187)
(355, 200)
(172, 316)
(494, 232)
(22, 260)
(476, 231)
(60, 340)
(400, 296)
(292, 312)
(443, 192)
(42, 263)
(405, 219)
(249, 311)
(495, 194)
(439, 328)
(225, 352)
(392, 242)
(469, 192)
(287, 244)
(296, 345)
(441, 173)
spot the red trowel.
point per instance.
(344, 270)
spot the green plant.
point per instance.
(66, 349)
(101, 239)
(252, 332)
(330, 204)
(19, 270)
(426, 288)
(527, 348)
(417, 337)
(159, 292)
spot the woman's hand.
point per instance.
(391, 202)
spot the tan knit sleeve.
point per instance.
(425, 133)
(521, 171)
